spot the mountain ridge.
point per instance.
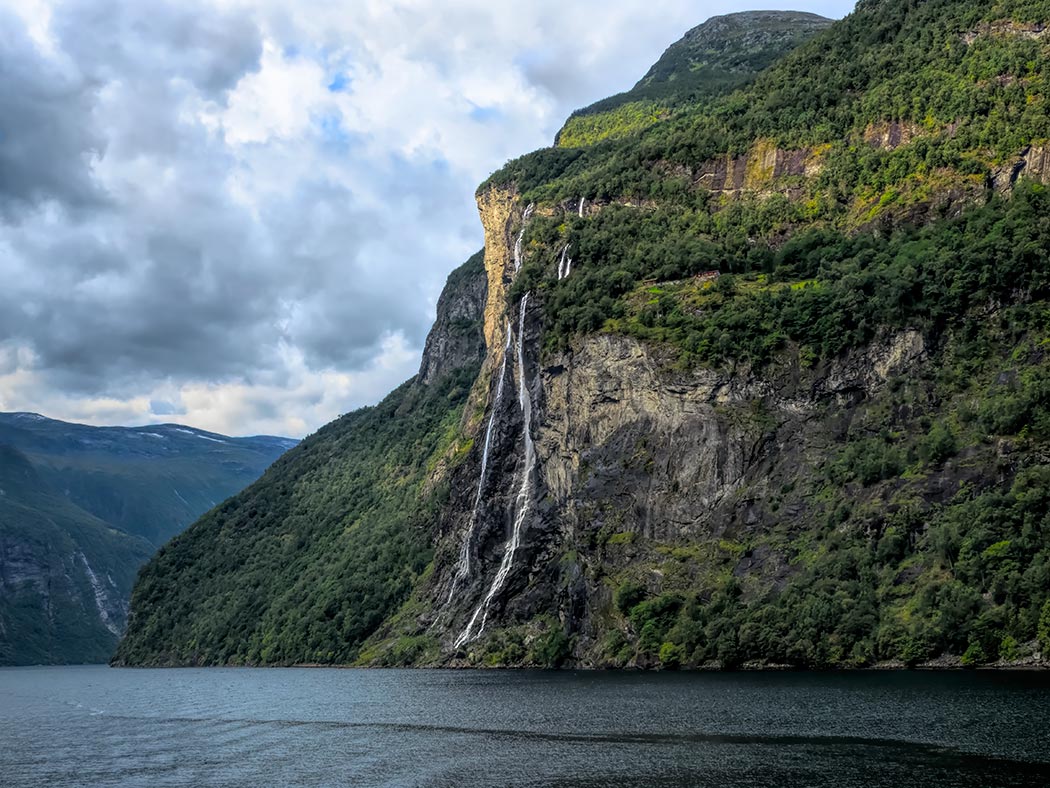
(713, 58)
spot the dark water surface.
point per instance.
(237, 727)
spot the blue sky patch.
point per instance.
(484, 114)
(340, 82)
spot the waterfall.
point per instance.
(524, 497)
(583, 203)
(463, 565)
(100, 595)
(521, 236)
(566, 262)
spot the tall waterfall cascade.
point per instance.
(523, 500)
(463, 564)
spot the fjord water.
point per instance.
(242, 727)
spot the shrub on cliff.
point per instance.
(1044, 629)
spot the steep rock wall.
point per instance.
(456, 339)
(629, 453)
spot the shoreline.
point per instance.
(936, 666)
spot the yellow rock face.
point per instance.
(500, 217)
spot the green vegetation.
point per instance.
(968, 105)
(823, 290)
(304, 565)
(969, 577)
(711, 60)
(1044, 627)
(48, 609)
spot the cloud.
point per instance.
(239, 213)
(47, 138)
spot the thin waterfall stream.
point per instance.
(565, 265)
(521, 236)
(463, 565)
(524, 498)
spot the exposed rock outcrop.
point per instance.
(1032, 163)
(758, 170)
(456, 339)
(1007, 28)
(890, 135)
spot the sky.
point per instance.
(238, 214)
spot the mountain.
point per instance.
(149, 481)
(763, 383)
(82, 508)
(66, 575)
(710, 60)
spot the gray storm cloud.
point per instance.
(47, 137)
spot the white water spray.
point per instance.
(100, 596)
(583, 203)
(524, 498)
(566, 262)
(463, 565)
(521, 236)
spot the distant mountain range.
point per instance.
(82, 508)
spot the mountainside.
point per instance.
(764, 383)
(711, 59)
(65, 575)
(82, 508)
(149, 481)
(305, 564)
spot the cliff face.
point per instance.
(65, 576)
(655, 483)
(634, 462)
(455, 341)
(499, 212)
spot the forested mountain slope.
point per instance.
(765, 383)
(305, 564)
(710, 60)
(65, 576)
(82, 508)
(150, 481)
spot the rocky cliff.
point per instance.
(453, 342)
(656, 483)
(65, 575)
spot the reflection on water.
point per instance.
(98, 726)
